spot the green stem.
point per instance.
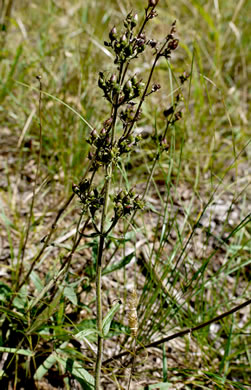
(99, 319)
(99, 280)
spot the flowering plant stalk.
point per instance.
(125, 92)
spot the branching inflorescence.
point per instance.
(125, 92)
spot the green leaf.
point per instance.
(69, 293)
(164, 363)
(85, 15)
(36, 281)
(216, 377)
(5, 292)
(75, 368)
(20, 300)
(45, 314)
(86, 334)
(108, 318)
(7, 222)
(48, 363)
(117, 328)
(87, 329)
(157, 386)
(87, 324)
(224, 361)
(120, 264)
(25, 352)
(13, 314)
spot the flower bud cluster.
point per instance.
(120, 90)
(171, 115)
(126, 45)
(82, 189)
(184, 77)
(98, 140)
(125, 203)
(110, 86)
(107, 153)
(161, 142)
(132, 89)
(155, 88)
(172, 43)
(125, 145)
(131, 21)
(90, 198)
(104, 152)
(152, 43)
(127, 115)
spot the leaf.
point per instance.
(36, 281)
(45, 289)
(87, 329)
(85, 334)
(88, 335)
(9, 82)
(117, 328)
(120, 264)
(13, 314)
(5, 292)
(85, 15)
(20, 300)
(7, 222)
(48, 363)
(69, 293)
(108, 318)
(164, 363)
(45, 314)
(217, 378)
(25, 352)
(87, 324)
(157, 386)
(75, 368)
